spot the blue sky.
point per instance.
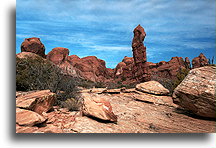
(104, 28)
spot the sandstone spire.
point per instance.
(139, 54)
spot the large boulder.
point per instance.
(33, 45)
(199, 61)
(99, 108)
(28, 118)
(40, 101)
(152, 87)
(197, 92)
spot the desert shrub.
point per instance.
(99, 85)
(180, 77)
(39, 74)
(119, 84)
(171, 84)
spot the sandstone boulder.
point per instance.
(152, 87)
(33, 45)
(28, 118)
(197, 92)
(99, 108)
(40, 101)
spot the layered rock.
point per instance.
(28, 118)
(152, 87)
(33, 45)
(139, 54)
(199, 61)
(99, 108)
(39, 102)
(197, 92)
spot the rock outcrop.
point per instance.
(199, 61)
(33, 45)
(139, 54)
(197, 92)
(152, 87)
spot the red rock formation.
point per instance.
(124, 70)
(187, 63)
(167, 69)
(73, 59)
(58, 55)
(92, 68)
(139, 54)
(199, 61)
(33, 45)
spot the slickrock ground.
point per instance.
(137, 112)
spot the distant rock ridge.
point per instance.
(131, 70)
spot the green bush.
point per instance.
(39, 74)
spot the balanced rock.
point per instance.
(40, 101)
(99, 108)
(28, 118)
(152, 87)
(33, 45)
(58, 55)
(199, 61)
(197, 92)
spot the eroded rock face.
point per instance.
(99, 108)
(168, 69)
(92, 68)
(139, 54)
(199, 61)
(152, 87)
(58, 55)
(40, 101)
(28, 118)
(33, 45)
(197, 92)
